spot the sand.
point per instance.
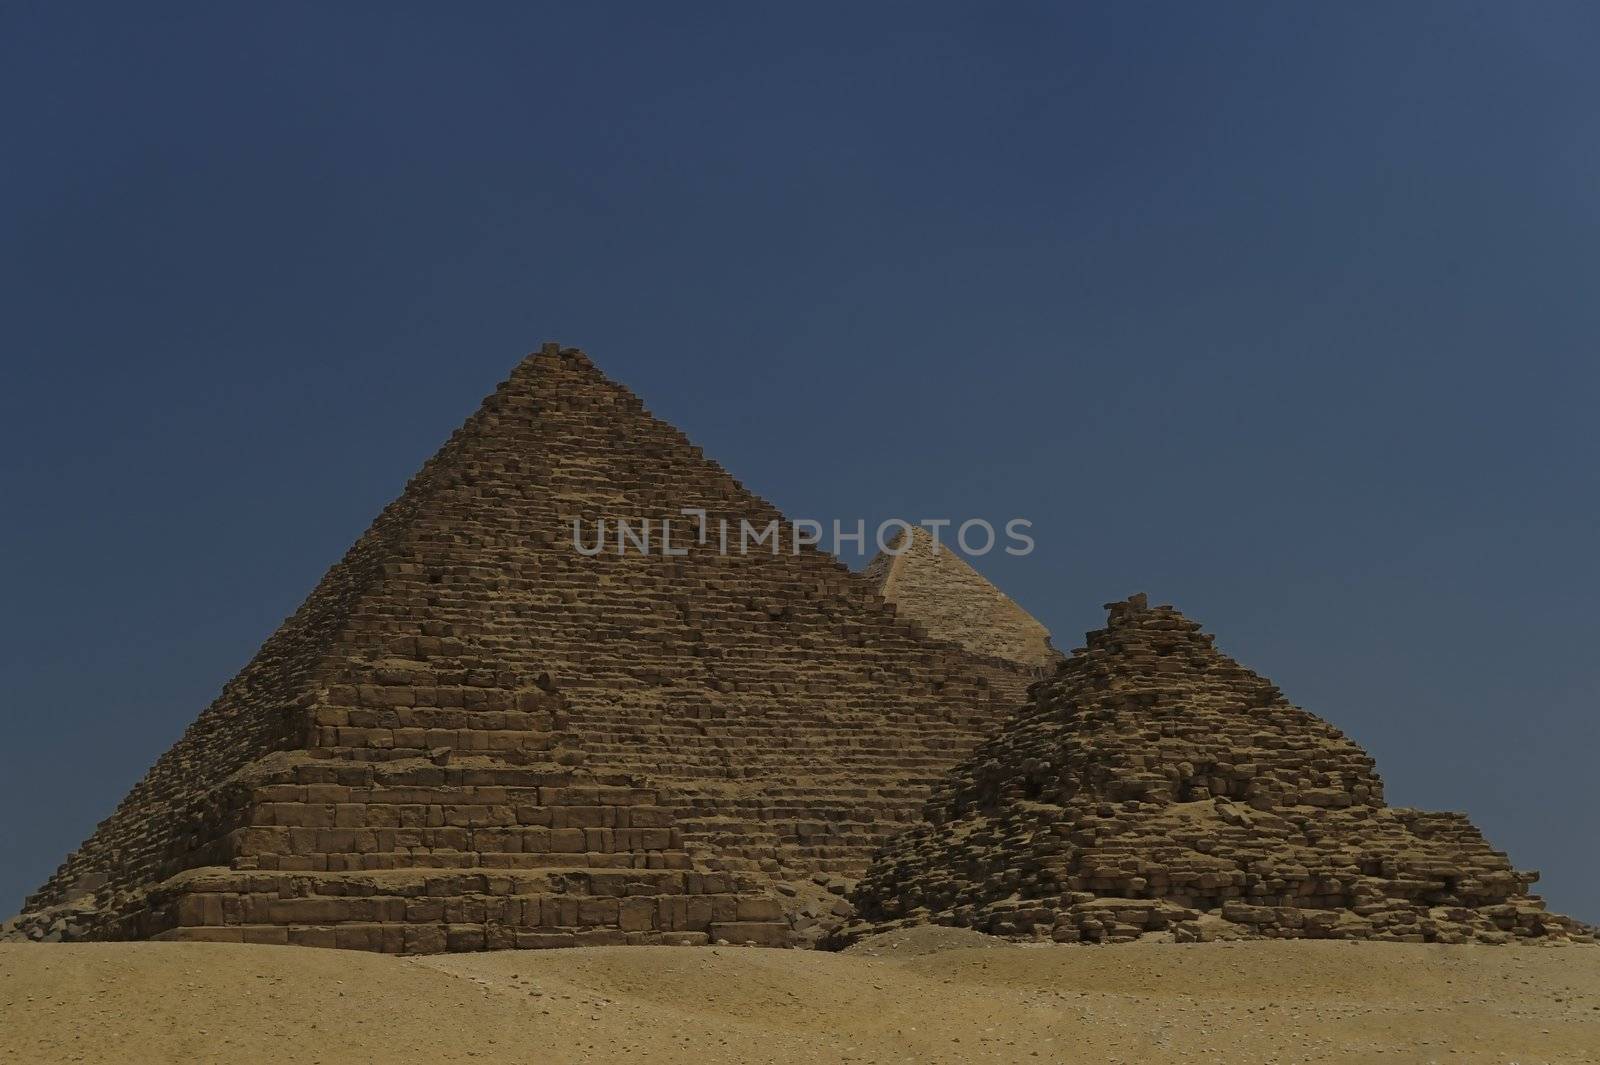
(906, 998)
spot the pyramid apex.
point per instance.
(549, 357)
(1137, 611)
(1137, 603)
(554, 349)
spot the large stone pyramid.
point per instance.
(474, 735)
(1155, 784)
(931, 584)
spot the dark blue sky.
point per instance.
(1284, 313)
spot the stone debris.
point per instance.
(1154, 785)
(471, 735)
(919, 941)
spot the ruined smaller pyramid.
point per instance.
(929, 583)
(1154, 784)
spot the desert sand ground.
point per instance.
(931, 996)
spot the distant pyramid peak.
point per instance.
(929, 582)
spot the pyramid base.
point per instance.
(430, 911)
(1118, 920)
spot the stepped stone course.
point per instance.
(1155, 785)
(929, 583)
(472, 735)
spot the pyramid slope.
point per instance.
(931, 584)
(465, 691)
(1155, 784)
(175, 817)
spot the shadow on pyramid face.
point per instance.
(1155, 786)
(472, 736)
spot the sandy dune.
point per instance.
(906, 1000)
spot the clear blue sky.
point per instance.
(1284, 313)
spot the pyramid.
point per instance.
(473, 735)
(928, 582)
(1155, 785)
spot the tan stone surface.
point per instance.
(931, 584)
(472, 736)
(1163, 1004)
(1154, 784)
